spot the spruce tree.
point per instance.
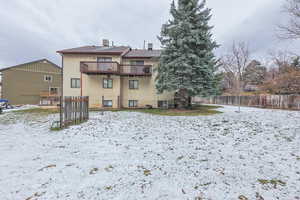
(187, 64)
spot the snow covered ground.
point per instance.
(24, 107)
(123, 155)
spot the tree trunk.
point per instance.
(182, 99)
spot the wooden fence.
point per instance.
(73, 110)
(264, 101)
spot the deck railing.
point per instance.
(115, 68)
(49, 94)
(138, 70)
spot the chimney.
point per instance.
(150, 46)
(105, 42)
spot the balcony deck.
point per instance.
(114, 68)
(49, 94)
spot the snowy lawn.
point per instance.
(125, 155)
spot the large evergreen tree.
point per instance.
(187, 63)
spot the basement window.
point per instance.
(48, 78)
(75, 82)
(107, 103)
(133, 103)
(162, 104)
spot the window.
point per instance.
(107, 83)
(107, 103)
(48, 78)
(75, 82)
(137, 62)
(133, 84)
(162, 104)
(53, 90)
(133, 103)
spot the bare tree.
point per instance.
(291, 30)
(282, 59)
(234, 65)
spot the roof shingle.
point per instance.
(95, 50)
(142, 53)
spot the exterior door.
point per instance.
(105, 63)
(136, 66)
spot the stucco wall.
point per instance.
(92, 85)
(94, 89)
(146, 94)
(71, 69)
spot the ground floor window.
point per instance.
(107, 103)
(133, 103)
(133, 84)
(162, 104)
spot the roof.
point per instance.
(142, 53)
(113, 50)
(41, 60)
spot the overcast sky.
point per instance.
(35, 29)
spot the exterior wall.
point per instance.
(94, 89)
(71, 69)
(92, 85)
(146, 94)
(24, 84)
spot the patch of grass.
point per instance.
(39, 111)
(56, 129)
(94, 171)
(35, 195)
(108, 188)
(109, 168)
(47, 167)
(147, 172)
(198, 110)
(242, 197)
(273, 182)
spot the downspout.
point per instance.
(121, 77)
(62, 75)
(81, 84)
(62, 91)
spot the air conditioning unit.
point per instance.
(147, 70)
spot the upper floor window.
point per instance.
(75, 82)
(133, 84)
(48, 78)
(107, 83)
(137, 62)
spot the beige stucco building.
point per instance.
(116, 77)
(37, 83)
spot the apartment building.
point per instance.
(37, 82)
(113, 76)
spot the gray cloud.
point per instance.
(37, 29)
